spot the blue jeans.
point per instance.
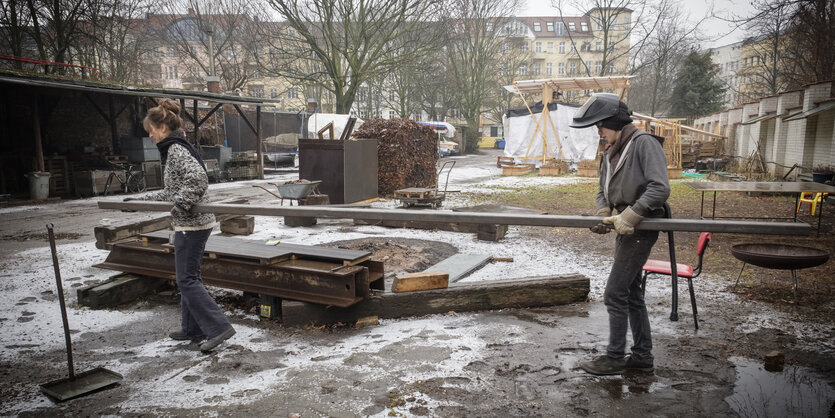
(623, 298)
(201, 315)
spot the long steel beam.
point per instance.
(567, 221)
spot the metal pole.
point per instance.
(567, 221)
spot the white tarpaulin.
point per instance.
(520, 141)
(318, 121)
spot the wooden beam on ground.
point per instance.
(458, 297)
(424, 280)
(565, 221)
(107, 235)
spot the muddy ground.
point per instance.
(518, 362)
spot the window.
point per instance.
(571, 26)
(549, 68)
(523, 69)
(598, 46)
(361, 94)
(584, 26)
(271, 53)
(505, 47)
(588, 66)
(549, 47)
(573, 47)
(292, 93)
(172, 52)
(525, 47)
(598, 24)
(611, 68)
(549, 26)
(586, 46)
(561, 68)
(598, 67)
(273, 93)
(537, 26)
(256, 74)
(392, 114)
(537, 69)
(560, 28)
(572, 68)
(562, 47)
(539, 47)
(256, 91)
(172, 73)
(392, 96)
(363, 114)
(489, 26)
(626, 23)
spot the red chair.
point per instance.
(683, 270)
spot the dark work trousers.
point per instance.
(623, 298)
(201, 315)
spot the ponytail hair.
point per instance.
(166, 113)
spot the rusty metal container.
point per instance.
(347, 169)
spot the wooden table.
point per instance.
(796, 187)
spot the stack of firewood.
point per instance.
(407, 153)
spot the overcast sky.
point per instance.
(713, 28)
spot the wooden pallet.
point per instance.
(517, 170)
(60, 183)
(419, 193)
(503, 161)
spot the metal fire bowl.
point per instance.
(780, 256)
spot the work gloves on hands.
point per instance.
(602, 228)
(624, 222)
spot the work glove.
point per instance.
(178, 210)
(602, 228)
(624, 222)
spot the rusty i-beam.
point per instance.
(566, 221)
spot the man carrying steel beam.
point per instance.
(633, 186)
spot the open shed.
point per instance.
(50, 124)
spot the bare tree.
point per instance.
(342, 44)
(660, 60)
(768, 41)
(113, 39)
(510, 59)
(215, 37)
(623, 27)
(810, 47)
(55, 28)
(14, 22)
(475, 42)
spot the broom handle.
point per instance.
(61, 299)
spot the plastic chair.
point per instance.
(683, 270)
(813, 199)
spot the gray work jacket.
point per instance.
(639, 180)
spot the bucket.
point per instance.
(38, 184)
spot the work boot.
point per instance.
(634, 363)
(182, 336)
(215, 341)
(604, 365)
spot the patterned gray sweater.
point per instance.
(186, 184)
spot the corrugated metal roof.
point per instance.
(127, 90)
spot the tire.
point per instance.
(135, 182)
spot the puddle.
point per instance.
(793, 392)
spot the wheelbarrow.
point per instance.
(779, 256)
(292, 191)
